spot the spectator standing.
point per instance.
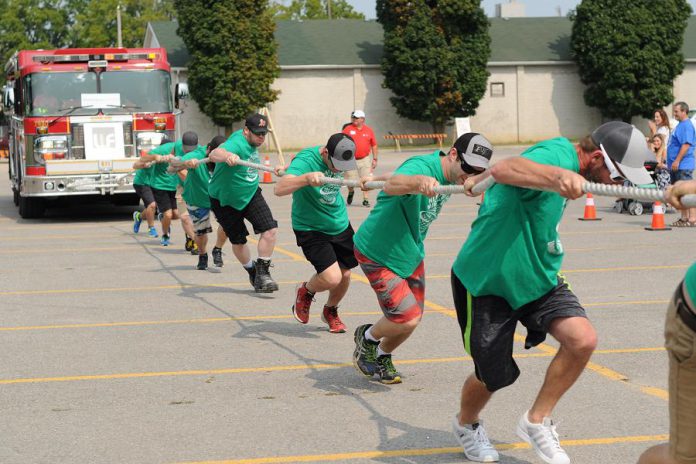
(365, 142)
(661, 125)
(680, 342)
(680, 157)
(321, 225)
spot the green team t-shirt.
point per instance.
(320, 209)
(197, 181)
(513, 250)
(393, 233)
(690, 282)
(143, 176)
(235, 185)
(161, 179)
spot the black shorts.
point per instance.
(322, 250)
(145, 194)
(165, 199)
(488, 326)
(232, 220)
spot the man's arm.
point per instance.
(682, 152)
(374, 156)
(221, 155)
(404, 185)
(674, 192)
(522, 172)
(289, 183)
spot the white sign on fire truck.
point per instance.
(104, 141)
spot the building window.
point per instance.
(497, 89)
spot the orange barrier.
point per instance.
(397, 137)
(590, 211)
(658, 218)
(4, 154)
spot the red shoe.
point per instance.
(303, 300)
(330, 317)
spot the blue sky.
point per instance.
(532, 7)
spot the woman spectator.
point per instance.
(660, 125)
(659, 147)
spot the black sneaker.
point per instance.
(365, 354)
(349, 198)
(366, 203)
(202, 262)
(252, 273)
(263, 282)
(386, 370)
(217, 257)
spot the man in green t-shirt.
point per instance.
(680, 342)
(163, 182)
(196, 180)
(235, 196)
(141, 185)
(508, 271)
(389, 247)
(321, 225)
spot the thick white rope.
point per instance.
(618, 191)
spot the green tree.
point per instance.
(95, 20)
(435, 57)
(32, 24)
(315, 9)
(628, 53)
(233, 56)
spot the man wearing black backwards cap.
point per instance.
(508, 271)
(235, 196)
(389, 247)
(164, 183)
(321, 225)
(680, 342)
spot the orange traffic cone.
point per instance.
(590, 211)
(658, 218)
(267, 179)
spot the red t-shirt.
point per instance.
(364, 139)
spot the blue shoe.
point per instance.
(137, 219)
(164, 240)
(153, 232)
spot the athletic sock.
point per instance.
(369, 336)
(248, 265)
(380, 351)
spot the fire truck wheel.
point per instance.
(15, 197)
(31, 208)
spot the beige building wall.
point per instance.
(539, 101)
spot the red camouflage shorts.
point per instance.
(401, 299)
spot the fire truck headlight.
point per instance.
(50, 147)
(146, 141)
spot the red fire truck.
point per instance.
(78, 118)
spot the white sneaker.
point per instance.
(475, 442)
(543, 438)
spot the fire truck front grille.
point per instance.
(78, 140)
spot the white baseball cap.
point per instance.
(357, 114)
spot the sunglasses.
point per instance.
(466, 167)
(614, 172)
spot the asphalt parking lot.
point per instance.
(116, 350)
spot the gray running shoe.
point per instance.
(365, 353)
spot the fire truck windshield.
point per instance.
(51, 94)
(148, 91)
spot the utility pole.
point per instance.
(119, 40)
(328, 8)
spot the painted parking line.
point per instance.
(283, 368)
(426, 451)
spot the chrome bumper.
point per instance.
(95, 184)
